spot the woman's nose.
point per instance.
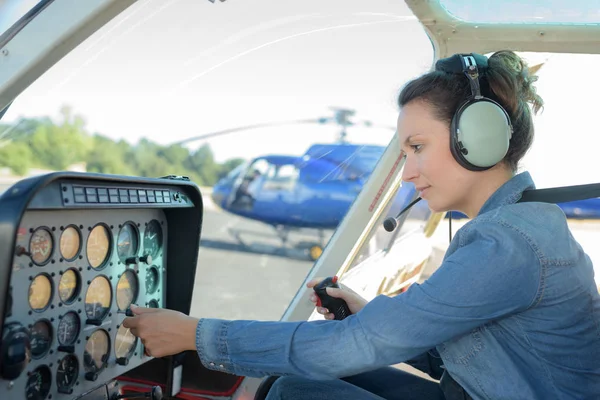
(410, 171)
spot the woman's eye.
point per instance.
(416, 147)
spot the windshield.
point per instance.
(310, 73)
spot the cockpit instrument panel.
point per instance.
(71, 289)
(78, 264)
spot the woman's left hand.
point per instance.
(163, 332)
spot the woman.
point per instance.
(512, 312)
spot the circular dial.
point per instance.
(124, 342)
(40, 292)
(70, 243)
(98, 298)
(153, 303)
(128, 242)
(68, 328)
(41, 338)
(69, 286)
(153, 238)
(67, 372)
(38, 383)
(152, 279)
(127, 289)
(40, 246)
(98, 246)
(96, 351)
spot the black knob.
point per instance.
(132, 260)
(146, 259)
(91, 376)
(65, 390)
(67, 349)
(122, 361)
(15, 350)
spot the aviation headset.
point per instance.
(481, 130)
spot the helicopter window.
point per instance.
(236, 171)
(281, 177)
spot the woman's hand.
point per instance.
(354, 301)
(163, 332)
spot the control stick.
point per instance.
(338, 307)
(154, 394)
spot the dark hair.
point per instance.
(510, 83)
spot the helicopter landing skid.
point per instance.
(309, 249)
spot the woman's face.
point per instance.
(429, 165)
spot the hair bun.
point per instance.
(512, 80)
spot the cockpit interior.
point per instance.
(77, 249)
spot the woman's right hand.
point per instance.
(354, 301)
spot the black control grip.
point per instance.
(338, 307)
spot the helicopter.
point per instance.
(312, 191)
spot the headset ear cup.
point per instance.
(483, 128)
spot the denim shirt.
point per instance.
(513, 311)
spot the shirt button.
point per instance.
(212, 364)
(222, 366)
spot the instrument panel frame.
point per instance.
(180, 251)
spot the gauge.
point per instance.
(70, 243)
(66, 373)
(127, 289)
(153, 304)
(38, 383)
(152, 279)
(98, 298)
(98, 246)
(69, 286)
(41, 338)
(68, 328)
(124, 342)
(96, 351)
(128, 242)
(40, 292)
(153, 238)
(40, 246)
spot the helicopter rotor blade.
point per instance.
(243, 128)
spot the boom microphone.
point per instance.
(392, 222)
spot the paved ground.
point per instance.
(254, 280)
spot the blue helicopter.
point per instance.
(314, 190)
(311, 191)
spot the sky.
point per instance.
(171, 69)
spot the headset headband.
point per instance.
(469, 64)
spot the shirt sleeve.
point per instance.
(493, 273)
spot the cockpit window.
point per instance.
(516, 11)
(14, 15)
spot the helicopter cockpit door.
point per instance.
(246, 185)
(276, 190)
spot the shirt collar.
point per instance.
(509, 193)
